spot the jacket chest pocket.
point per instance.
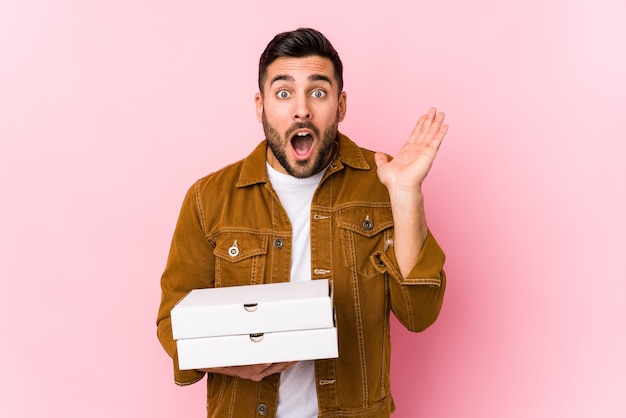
(364, 230)
(239, 258)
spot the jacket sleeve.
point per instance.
(416, 299)
(190, 265)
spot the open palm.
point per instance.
(408, 169)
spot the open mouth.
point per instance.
(302, 144)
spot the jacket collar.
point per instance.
(254, 170)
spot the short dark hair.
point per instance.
(300, 43)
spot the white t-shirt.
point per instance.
(297, 396)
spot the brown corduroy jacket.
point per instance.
(351, 243)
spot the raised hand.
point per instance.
(403, 177)
(408, 169)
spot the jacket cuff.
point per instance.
(186, 377)
(181, 377)
(428, 270)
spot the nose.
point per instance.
(302, 110)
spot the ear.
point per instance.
(258, 101)
(343, 103)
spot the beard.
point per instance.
(317, 161)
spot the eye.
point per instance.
(318, 94)
(283, 94)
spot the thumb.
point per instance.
(380, 159)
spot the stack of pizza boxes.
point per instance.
(265, 323)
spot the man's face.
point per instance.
(300, 109)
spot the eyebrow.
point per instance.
(313, 77)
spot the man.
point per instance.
(308, 204)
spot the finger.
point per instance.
(422, 126)
(437, 123)
(289, 365)
(429, 119)
(260, 368)
(438, 138)
(270, 370)
(418, 127)
(258, 371)
(277, 367)
(254, 372)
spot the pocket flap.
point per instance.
(365, 220)
(238, 246)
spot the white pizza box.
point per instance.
(254, 309)
(269, 347)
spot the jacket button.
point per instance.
(261, 409)
(367, 224)
(233, 251)
(279, 243)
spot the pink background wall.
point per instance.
(109, 110)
